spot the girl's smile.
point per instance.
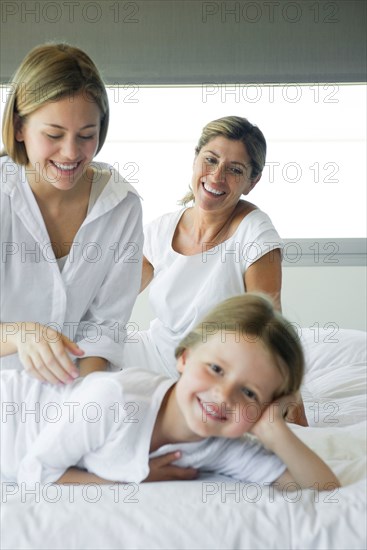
(225, 385)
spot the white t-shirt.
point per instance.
(104, 423)
(185, 288)
(90, 299)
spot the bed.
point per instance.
(217, 512)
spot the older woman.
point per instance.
(219, 247)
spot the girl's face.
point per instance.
(225, 385)
(61, 139)
(221, 174)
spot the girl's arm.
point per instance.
(91, 364)
(161, 469)
(61, 445)
(75, 475)
(304, 467)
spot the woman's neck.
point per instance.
(210, 226)
(46, 194)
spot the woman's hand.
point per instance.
(44, 353)
(161, 469)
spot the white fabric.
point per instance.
(140, 351)
(215, 511)
(90, 300)
(61, 262)
(97, 187)
(336, 372)
(185, 288)
(107, 432)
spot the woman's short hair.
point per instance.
(237, 129)
(253, 317)
(48, 73)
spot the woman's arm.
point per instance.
(43, 352)
(304, 467)
(8, 332)
(26, 337)
(147, 274)
(265, 275)
(102, 330)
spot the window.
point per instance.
(314, 181)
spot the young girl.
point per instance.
(71, 230)
(239, 369)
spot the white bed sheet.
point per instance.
(215, 512)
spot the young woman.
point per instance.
(71, 229)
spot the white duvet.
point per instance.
(217, 512)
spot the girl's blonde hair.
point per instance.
(237, 129)
(48, 73)
(253, 317)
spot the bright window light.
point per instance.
(314, 181)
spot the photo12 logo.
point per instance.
(29, 11)
(245, 12)
(91, 493)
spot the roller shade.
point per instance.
(194, 42)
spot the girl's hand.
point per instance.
(304, 468)
(272, 417)
(161, 469)
(43, 353)
(296, 411)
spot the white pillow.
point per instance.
(334, 387)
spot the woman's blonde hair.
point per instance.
(253, 317)
(48, 73)
(237, 129)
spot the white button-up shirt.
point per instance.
(91, 298)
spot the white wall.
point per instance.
(326, 295)
(333, 297)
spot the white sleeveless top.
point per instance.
(185, 288)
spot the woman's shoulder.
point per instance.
(107, 176)
(5, 160)
(10, 174)
(163, 222)
(251, 215)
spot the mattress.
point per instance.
(215, 511)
